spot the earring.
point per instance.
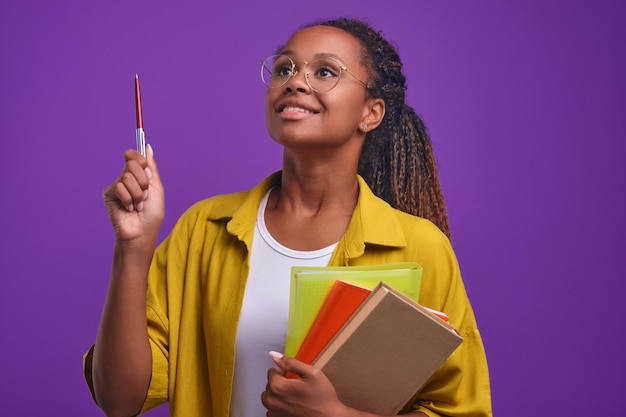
(364, 127)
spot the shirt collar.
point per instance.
(374, 221)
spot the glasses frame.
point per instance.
(295, 72)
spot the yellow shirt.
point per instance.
(197, 281)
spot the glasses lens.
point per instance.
(324, 74)
(276, 70)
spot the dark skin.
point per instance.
(318, 194)
(321, 147)
(122, 361)
(319, 191)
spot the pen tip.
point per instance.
(136, 75)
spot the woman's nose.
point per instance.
(297, 82)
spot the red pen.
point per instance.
(140, 136)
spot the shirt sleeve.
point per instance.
(158, 328)
(460, 387)
(158, 336)
(87, 371)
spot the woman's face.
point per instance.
(297, 116)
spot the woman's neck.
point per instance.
(313, 205)
(311, 186)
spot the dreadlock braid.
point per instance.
(397, 160)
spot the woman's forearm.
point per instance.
(122, 356)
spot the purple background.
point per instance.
(524, 101)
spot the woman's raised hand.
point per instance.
(121, 357)
(135, 200)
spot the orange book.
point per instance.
(342, 301)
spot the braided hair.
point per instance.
(397, 160)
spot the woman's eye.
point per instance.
(325, 72)
(283, 71)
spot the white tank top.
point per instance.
(263, 319)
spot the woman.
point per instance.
(218, 285)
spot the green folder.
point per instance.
(309, 287)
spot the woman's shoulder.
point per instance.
(375, 210)
(426, 241)
(420, 225)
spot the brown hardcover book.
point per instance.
(386, 352)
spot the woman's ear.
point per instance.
(374, 115)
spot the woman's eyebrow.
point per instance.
(318, 55)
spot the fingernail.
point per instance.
(145, 194)
(151, 150)
(275, 354)
(148, 172)
(140, 206)
(131, 208)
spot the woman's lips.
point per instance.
(295, 109)
(294, 113)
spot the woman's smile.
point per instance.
(296, 109)
(294, 113)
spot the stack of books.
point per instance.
(363, 327)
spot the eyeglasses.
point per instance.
(321, 74)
